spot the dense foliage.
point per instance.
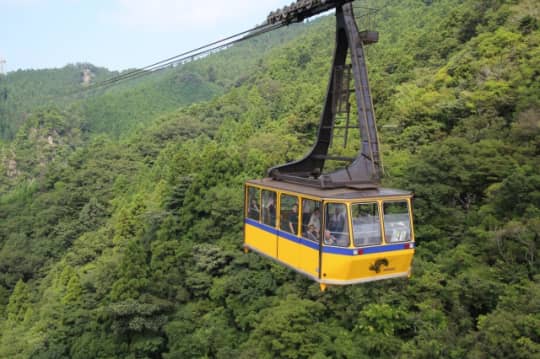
(131, 247)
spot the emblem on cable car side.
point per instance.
(376, 267)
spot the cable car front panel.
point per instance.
(371, 255)
(337, 236)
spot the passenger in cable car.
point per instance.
(337, 221)
(293, 219)
(337, 224)
(329, 238)
(312, 233)
(253, 209)
(315, 221)
(340, 239)
(306, 213)
(269, 208)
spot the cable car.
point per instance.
(334, 236)
(340, 226)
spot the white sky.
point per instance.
(118, 34)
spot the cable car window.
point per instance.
(269, 207)
(289, 213)
(311, 219)
(397, 226)
(254, 205)
(366, 224)
(337, 226)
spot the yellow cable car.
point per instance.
(338, 227)
(334, 236)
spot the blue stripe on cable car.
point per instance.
(385, 248)
(338, 250)
(262, 226)
(310, 244)
(299, 240)
(290, 237)
(282, 234)
(332, 250)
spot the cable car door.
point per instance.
(288, 241)
(260, 231)
(310, 229)
(335, 251)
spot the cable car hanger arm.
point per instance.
(365, 170)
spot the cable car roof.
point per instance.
(345, 193)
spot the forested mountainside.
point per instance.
(132, 247)
(115, 110)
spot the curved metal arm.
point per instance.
(365, 170)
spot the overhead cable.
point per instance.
(185, 56)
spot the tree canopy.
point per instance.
(121, 212)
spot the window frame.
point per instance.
(409, 235)
(326, 216)
(284, 221)
(248, 202)
(264, 208)
(378, 224)
(318, 204)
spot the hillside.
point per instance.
(131, 247)
(118, 109)
(24, 90)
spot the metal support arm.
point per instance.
(365, 170)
